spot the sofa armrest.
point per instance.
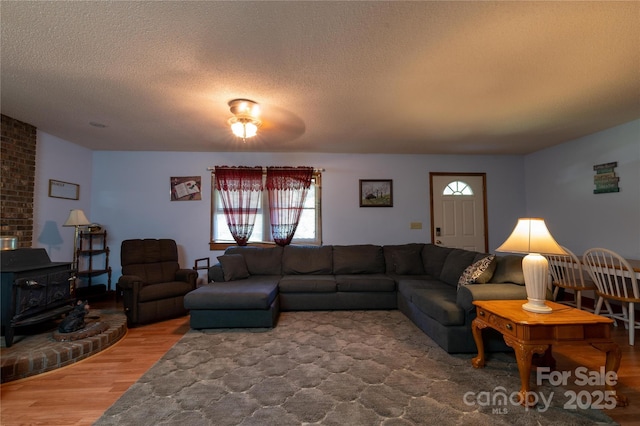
(130, 286)
(129, 282)
(188, 276)
(216, 273)
(505, 291)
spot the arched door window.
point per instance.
(457, 187)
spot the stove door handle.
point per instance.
(33, 283)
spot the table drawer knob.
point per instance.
(509, 327)
(481, 313)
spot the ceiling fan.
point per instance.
(275, 124)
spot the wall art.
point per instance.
(186, 188)
(605, 179)
(60, 189)
(376, 193)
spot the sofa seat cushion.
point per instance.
(151, 292)
(439, 303)
(365, 282)
(245, 294)
(407, 284)
(307, 260)
(308, 284)
(505, 291)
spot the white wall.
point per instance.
(130, 195)
(59, 160)
(559, 187)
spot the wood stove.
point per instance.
(34, 289)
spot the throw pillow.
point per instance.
(233, 266)
(487, 275)
(479, 272)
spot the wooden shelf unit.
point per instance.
(91, 246)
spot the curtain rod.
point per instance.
(264, 169)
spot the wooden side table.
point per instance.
(528, 333)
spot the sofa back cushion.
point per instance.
(433, 258)
(455, 264)
(358, 259)
(508, 270)
(317, 260)
(260, 261)
(405, 259)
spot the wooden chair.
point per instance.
(567, 273)
(615, 280)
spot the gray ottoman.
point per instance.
(251, 302)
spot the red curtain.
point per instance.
(287, 188)
(240, 189)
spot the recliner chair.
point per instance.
(152, 283)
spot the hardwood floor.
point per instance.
(568, 358)
(80, 393)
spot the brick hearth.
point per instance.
(38, 353)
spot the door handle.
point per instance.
(438, 242)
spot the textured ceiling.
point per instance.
(343, 77)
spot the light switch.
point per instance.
(416, 225)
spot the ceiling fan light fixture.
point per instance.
(243, 129)
(245, 122)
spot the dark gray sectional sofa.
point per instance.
(433, 285)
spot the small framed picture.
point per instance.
(60, 189)
(186, 188)
(376, 193)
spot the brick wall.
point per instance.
(17, 179)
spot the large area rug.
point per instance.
(334, 368)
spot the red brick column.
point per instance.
(17, 179)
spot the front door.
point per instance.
(458, 210)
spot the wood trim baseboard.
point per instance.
(214, 246)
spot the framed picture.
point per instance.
(60, 189)
(376, 193)
(186, 188)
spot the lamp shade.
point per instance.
(531, 236)
(76, 218)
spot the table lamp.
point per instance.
(532, 237)
(76, 219)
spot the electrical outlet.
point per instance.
(416, 225)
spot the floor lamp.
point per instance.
(76, 219)
(532, 237)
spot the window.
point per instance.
(457, 188)
(309, 229)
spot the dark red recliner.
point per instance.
(152, 283)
